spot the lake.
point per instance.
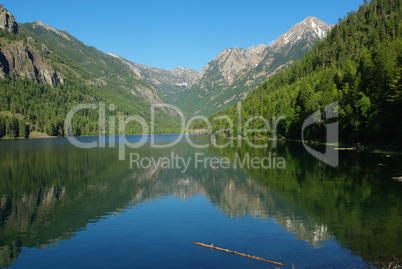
(67, 207)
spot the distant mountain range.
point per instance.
(234, 72)
(168, 82)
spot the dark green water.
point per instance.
(64, 207)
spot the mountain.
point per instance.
(235, 72)
(168, 82)
(103, 69)
(44, 72)
(358, 65)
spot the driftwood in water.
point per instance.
(237, 253)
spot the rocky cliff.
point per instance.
(21, 56)
(22, 59)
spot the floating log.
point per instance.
(237, 253)
(344, 148)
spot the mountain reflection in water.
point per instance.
(49, 193)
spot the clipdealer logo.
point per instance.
(270, 161)
(330, 156)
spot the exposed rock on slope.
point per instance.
(21, 59)
(230, 63)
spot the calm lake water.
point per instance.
(65, 207)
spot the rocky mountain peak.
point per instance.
(309, 28)
(320, 28)
(7, 21)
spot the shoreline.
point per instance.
(337, 146)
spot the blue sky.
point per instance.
(169, 34)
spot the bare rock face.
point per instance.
(231, 63)
(20, 58)
(7, 21)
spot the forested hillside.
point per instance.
(359, 64)
(41, 81)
